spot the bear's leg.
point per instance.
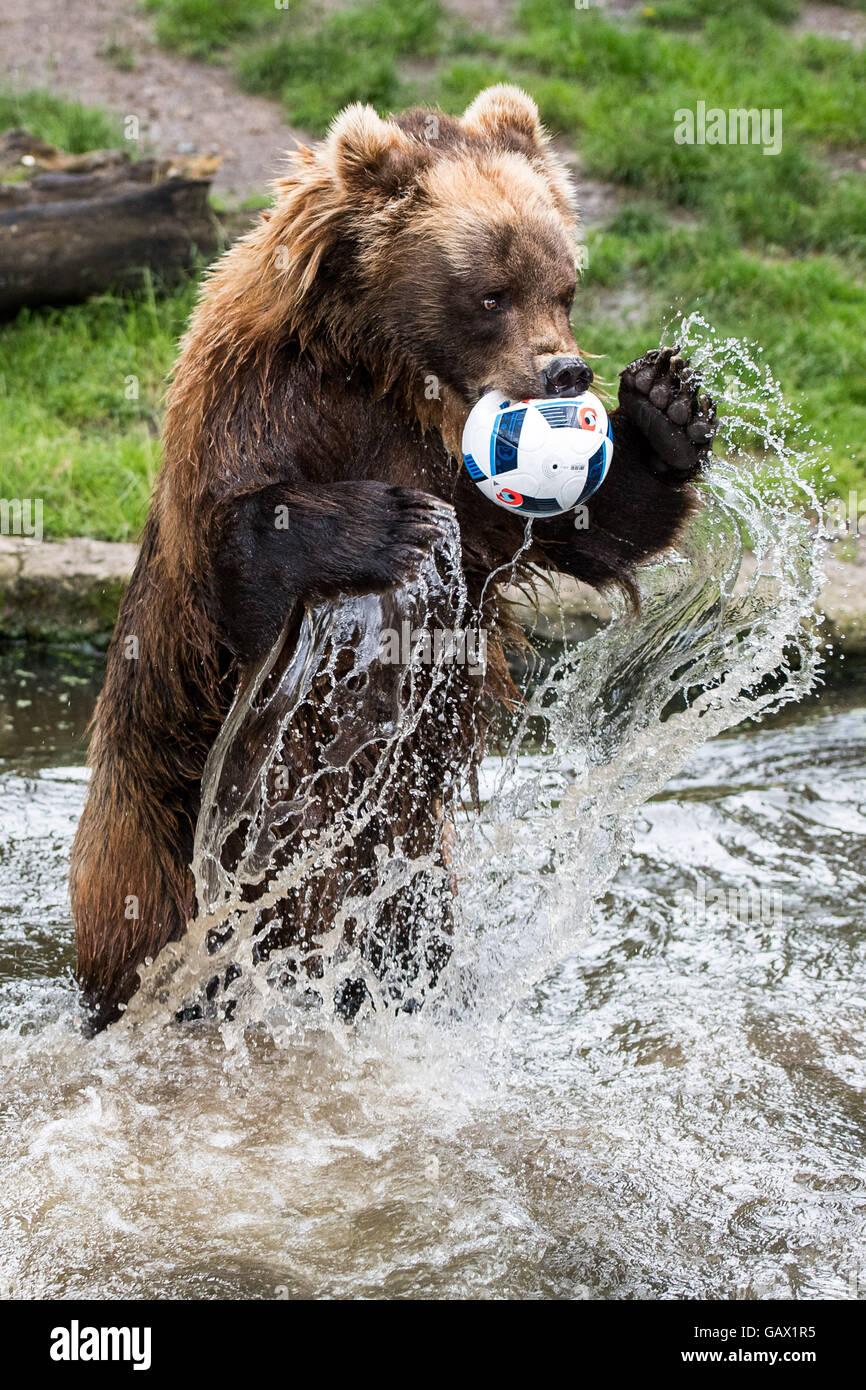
(663, 429)
(130, 888)
(130, 883)
(285, 544)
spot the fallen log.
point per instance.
(67, 235)
(94, 183)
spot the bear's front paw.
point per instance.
(405, 526)
(662, 396)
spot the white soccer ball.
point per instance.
(540, 457)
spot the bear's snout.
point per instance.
(566, 376)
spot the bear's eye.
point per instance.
(491, 302)
(567, 299)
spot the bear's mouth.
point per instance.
(517, 391)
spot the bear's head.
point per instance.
(437, 251)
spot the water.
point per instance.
(675, 1110)
(640, 1073)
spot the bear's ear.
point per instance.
(372, 157)
(507, 115)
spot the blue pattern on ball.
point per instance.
(561, 414)
(504, 441)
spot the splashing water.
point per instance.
(721, 638)
(598, 1097)
(611, 721)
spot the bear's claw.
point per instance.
(407, 524)
(662, 395)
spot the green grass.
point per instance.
(692, 14)
(202, 28)
(67, 124)
(613, 88)
(319, 66)
(806, 314)
(71, 433)
(315, 62)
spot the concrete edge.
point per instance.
(62, 591)
(68, 592)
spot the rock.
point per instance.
(843, 597)
(62, 591)
(69, 591)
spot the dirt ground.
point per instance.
(183, 107)
(834, 22)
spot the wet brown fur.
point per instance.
(305, 378)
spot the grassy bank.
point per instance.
(80, 392)
(769, 248)
(67, 124)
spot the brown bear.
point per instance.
(399, 252)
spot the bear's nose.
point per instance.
(564, 376)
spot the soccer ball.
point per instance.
(540, 457)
